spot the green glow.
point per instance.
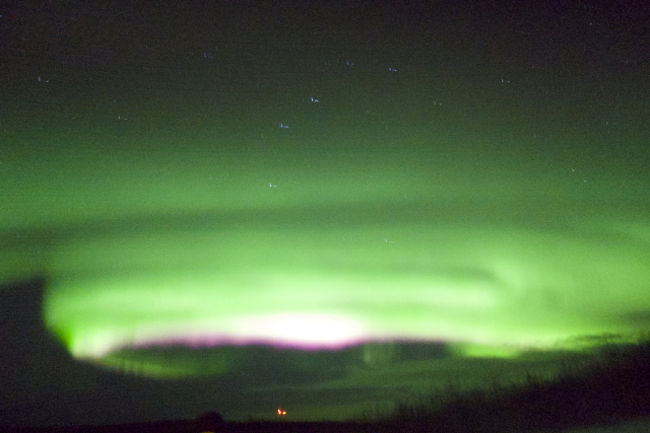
(482, 351)
(169, 363)
(192, 248)
(467, 205)
(478, 283)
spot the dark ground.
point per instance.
(613, 390)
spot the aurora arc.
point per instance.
(402, 253)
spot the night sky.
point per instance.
(327, 206)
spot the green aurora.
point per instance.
(418, 246)
(467, 201)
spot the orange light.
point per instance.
(281, 412)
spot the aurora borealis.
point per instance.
(325, 282)
(316, 205)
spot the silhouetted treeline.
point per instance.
(612, 390)
(616, 388)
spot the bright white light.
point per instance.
(302, 329)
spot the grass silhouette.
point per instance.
(613, 388)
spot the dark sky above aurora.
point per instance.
(325, 206)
